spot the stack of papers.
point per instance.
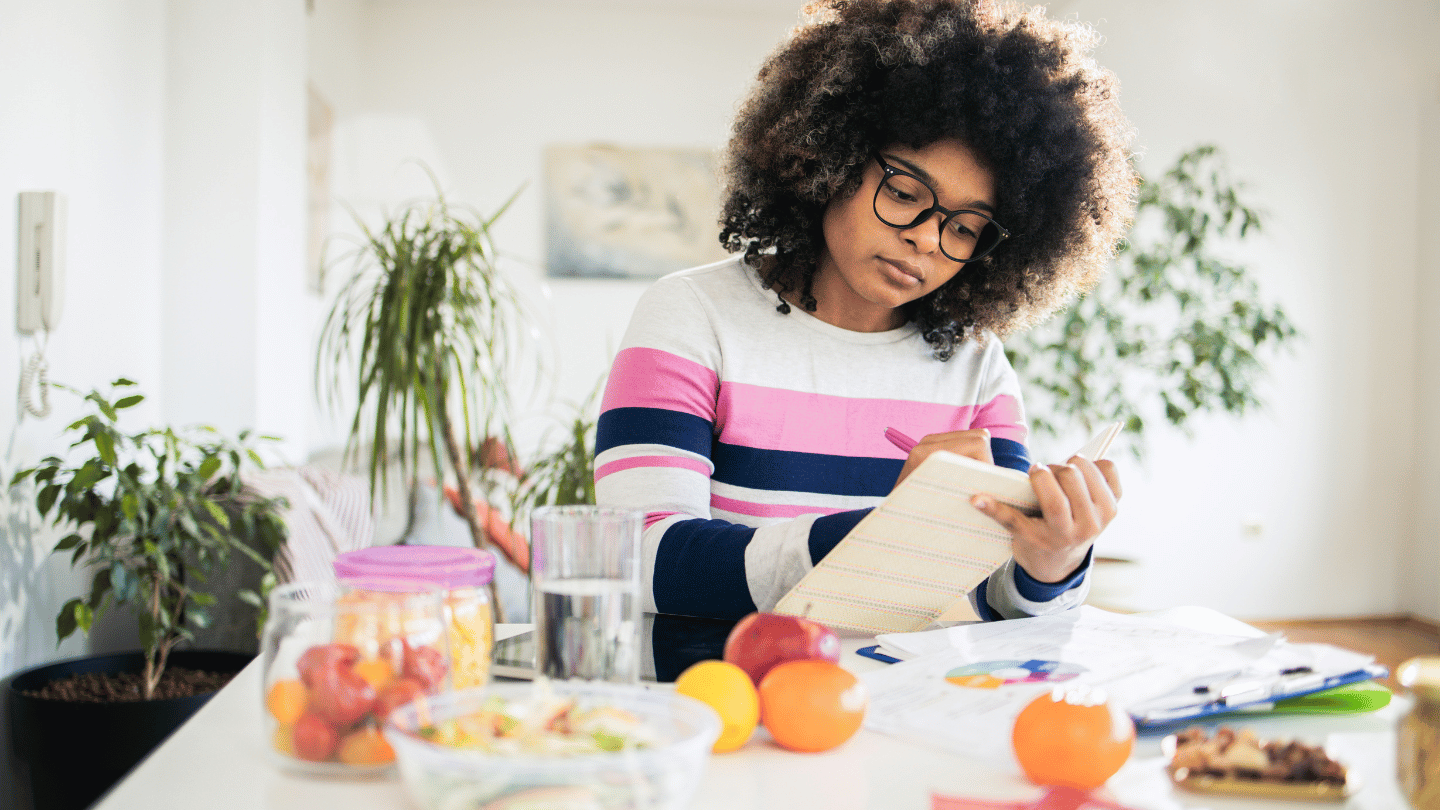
(961, 687)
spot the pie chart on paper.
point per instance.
(995, 674)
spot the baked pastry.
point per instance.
(1239, 763)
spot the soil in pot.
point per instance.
(111, 687)
(70, 752)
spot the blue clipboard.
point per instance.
(1237, 691)
(873, 651)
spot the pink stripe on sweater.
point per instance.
(818, 423)
(650, 378)
(692, 464)
(1002, 416)
(769, 510)
(655, 517)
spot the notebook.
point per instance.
(916, 556)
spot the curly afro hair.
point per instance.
(1019, 90)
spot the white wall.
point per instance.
(1320, 109)
(176, 129)
(237, 313)
(80, 112)
(477, 88)
(1317, 106)
(1328, 114)
(1422, 587)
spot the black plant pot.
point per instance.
(68, 754)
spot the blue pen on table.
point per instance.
(900, 440)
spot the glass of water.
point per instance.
(585, 568)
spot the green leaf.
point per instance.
(66, 621)
(216, 512)
(99, 587)
(68, 542)
(46, 498)
(130, 401)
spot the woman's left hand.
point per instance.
(1077, 501)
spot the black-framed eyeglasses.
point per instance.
(903, 200)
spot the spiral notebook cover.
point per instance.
(922, 550)
(916, 553)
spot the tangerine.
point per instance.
(1072, 737)
(283, 740)
(811, 705)
(376, 671)
(286, 701)
(728, 690)
(366, 746)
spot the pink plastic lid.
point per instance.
(443, 566)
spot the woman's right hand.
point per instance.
(969, 443)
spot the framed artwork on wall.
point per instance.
(629, 212)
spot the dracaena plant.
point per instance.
(1175, 329)
(153, 514)
(426, 333)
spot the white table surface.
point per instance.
(218, 760)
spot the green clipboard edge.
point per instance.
(1352, 698)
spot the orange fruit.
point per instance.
(286, 701)
(366, 746)
(811, 705)
(376, 671)
(727, 690)
(1072, 737)
(283, 740)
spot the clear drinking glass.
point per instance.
(585, 569)
(337, 659)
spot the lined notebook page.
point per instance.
(916, 553)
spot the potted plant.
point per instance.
(427, 330)
(154, 515)
(1173, 330)
(565, 475)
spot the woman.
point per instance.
(910, 181)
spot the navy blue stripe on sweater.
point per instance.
(700, 570)
(621, 426)
(1037, 591)
(1012, 454)
(784, 470)
(828, 530)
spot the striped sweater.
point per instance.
(755, 440)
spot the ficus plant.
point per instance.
(154, 514)
(1175, 328)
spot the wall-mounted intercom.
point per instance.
(41, 259)
(40, 287)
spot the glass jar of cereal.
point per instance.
(463, 574)
(1418, 736)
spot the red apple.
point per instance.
(315, 740)
(762, 640)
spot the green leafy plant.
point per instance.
(154, 514)
(1175, 329)
(565, 476)
(427, 329)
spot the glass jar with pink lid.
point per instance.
(464, 576)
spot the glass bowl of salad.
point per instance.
(574, 744)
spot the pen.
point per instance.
(899, 439)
